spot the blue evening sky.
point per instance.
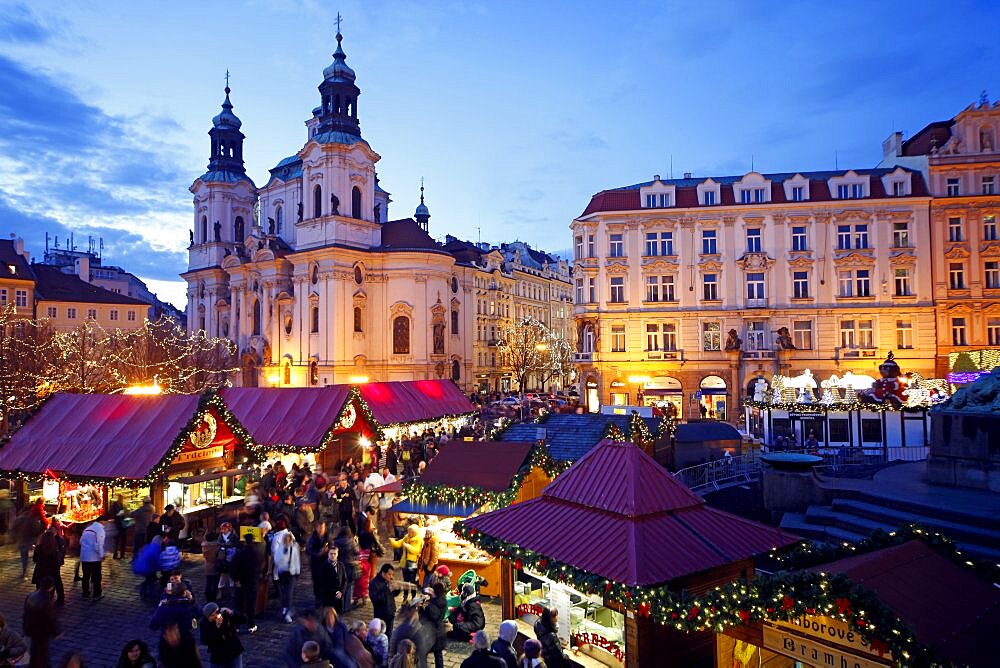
(514, 112)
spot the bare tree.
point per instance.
(530, 349)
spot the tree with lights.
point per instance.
(529, 348)
(25, 351)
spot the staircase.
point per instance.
(854, 513)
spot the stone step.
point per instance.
(797, 524)
(924, 510)
(860, 525)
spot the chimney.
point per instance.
(687, 175)
(83, 268)
(893, 146)
(656, 177)
(19, 247)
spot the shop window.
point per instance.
(840, 430)
(871, 430)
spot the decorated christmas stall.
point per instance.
(852, 410)
(80, 451)
(468, 477)
(321, 426)
(408, 408)
(624, 552)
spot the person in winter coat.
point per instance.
(411, 544)
(12, 645)
(547, 632)
(340, 636)
(503, 646)
(378, 642)
(117, 513)
(481, 656)
(383, 596)
(317, 547)
(91, 556)
(135, 654)
(306, 629)
(177, 649)
(345, 498)
(428, 559)
(311, 656)
(146, 564)
(170, 560)
(248, 572)
(229, 543)
(329, 579)
(433, 615)
(286, 569)
(532, 656)
(26, 530)
(408, 627)
(219, 634)
(171, 523)
(369, 551)
(348, 553)
(357, 645)
(50, 553)
(210, 552)
(41, 622)
(141, 517)
(406, 657)
(176, 608)
(468, 618)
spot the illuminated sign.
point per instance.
(203, 436)
(528, 609)
(801, 639)
(199, 455)
(617, 383)
(591, 384)
(599, 641)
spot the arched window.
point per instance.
(357, 319)
(256, 318)
(350, 107)
(314, 320)
(204, 229)
(314, 276)
(456, 370)
(238, 232)
(336, 104)
(317, 201)
(356, 202)
(401, 335)
(279, 219)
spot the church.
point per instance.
(307, 275)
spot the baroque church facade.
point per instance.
(307, 275)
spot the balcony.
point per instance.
(855, 352)
(582, 358)
(757, 303)
(758, 354)
(665, 355)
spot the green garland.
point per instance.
(210, 400)
(782, 596)
(638, 431)
(667, 427)
(496, 432)
(837, 407)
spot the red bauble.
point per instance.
(843, 606)
(607, 586)
(518, 564)
(744, 616)
(770, 611)
(810, 611)
(787, 603)
(674, 615)
(644, 609)
(544, 563)
(861, 622)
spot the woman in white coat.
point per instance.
(286, 568)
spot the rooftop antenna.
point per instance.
(46, 242)
(836, 159)
(72, 242)
(751, 162)
(671, 165)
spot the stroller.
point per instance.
(455, 595)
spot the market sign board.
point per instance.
(199, 455)
(815, 646)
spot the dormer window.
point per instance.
(798, 193)
(709, 197)
(898, 188)
(753, 195)
(650, 201)
(657, 195)
(954, 188)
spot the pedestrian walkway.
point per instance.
(100, 629)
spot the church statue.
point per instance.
(334, 204)
(191, 235)
(270, 225)
(733, 342)
(439, 339)
(784, 340)
(300, 212)
(218, 230)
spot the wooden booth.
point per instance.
(82, 450)
(466, 478)
(611, 530)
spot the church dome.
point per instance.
(338, 70)
(227, 120)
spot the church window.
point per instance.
(256, 317)
(317, 201)
(204, 229)
(454, 321)
(359, 276)
(349, 107)
(315, 275)
(356, 202)
(357, 319)
(456, 370)
(401, 335)
(314, 320)
(279, 219)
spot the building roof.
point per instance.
(297, 417)
(406, 234)
(627, 198)
(570, 436)
(9, 257)
(414, 400)
(490, 465)
(643, 527)
(87, 436)
(54, 285)
(224, 176)
(950, 610)
(934, 135)
(688, 432)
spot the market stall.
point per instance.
(602, 542)
(465, 478)
(408, 408)
(84, 450)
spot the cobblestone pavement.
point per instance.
(100, 629)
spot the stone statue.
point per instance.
(218, 230)
(191, 235)
(784, 340)
(270, 225)
(733, 342)
(300, 212)
(334, 204)
(439, 339)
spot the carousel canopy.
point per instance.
(87, 436)
(414, 401)
(618, 514)
(490, 465)
(296, 417)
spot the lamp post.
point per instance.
(639, 382)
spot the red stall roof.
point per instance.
(487, 464)
(100, 435)
(620, 515)
(297, 417)
(414, 400)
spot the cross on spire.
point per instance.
(421, 190)
(227, 82)
(338, 22)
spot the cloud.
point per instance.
(68, 166)
(18, 25)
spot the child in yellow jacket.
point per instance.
(412, 543)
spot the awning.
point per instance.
(283, 417)
(434, 508)
(490, 465)
(205, 477)
(394, 487)
(414, 401)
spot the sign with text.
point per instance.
(814, 652)
(835, 631)
(199, 455)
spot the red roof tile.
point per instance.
(634, 523)
(287, 416)
(487, 464)
(414, 400)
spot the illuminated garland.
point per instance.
(783, 596)
(207, 402)
(667, 427)
(614, 432)
(499, 429)
(638, 431)
(836, 407)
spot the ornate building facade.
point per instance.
(961, 158)
(687, 290)
(307, 275)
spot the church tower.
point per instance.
(339, 94)
(422, 215)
